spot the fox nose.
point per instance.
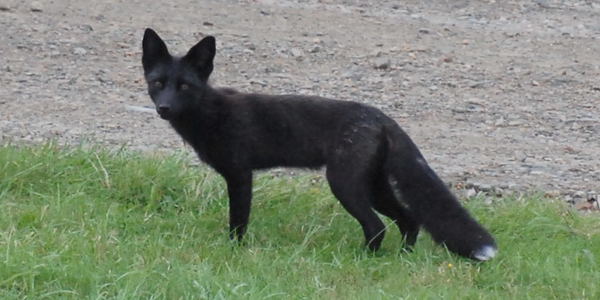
(163, 110)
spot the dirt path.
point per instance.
(498, 94)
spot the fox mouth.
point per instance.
(164, 115)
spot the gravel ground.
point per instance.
(501, 96)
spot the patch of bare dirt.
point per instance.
(499, 95)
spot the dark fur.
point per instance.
(372, 165)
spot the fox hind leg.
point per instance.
(352, 189)
(387, 203)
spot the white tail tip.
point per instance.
(485, 253)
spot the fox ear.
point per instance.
(201, 56)
(154, 50)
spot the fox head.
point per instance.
(176, 84)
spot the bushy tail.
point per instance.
(430, 201)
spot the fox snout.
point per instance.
(166, 104)
(164, 111)
(163, 102)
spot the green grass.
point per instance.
(93, 224)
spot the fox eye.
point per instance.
(157, 84)
(184, 86)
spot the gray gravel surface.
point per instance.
(500, 95)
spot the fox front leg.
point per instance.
(239, 188)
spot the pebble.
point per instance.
(297, 52)
(315, 49)
(469, 108)
(35, 6)
(498, 192)
(478, 84)
(499, 121)
(470, 193)
(485, 187)
(382, 63)
(515, 123)
(79, 51)
(86, 27)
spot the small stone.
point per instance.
(3, 7)
(382, 63)
(377, 53)
(35, 7)
(512, 186)
(484, 187)
(250, 45)
(315, 49)
(569, 199)
(515, 123)
(498, 192)
(470, 193)
(297, 52)
(499, 121)
(207, 23)
(424, 30)
(86, 27)
(471, 107)
(79, 51)
(543, 3)
(478, 84)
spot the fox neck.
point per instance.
(201, 121)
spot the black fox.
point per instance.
(371, 163)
